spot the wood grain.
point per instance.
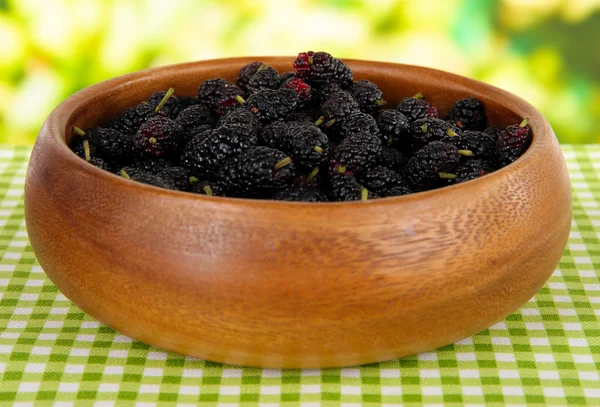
(279, 284)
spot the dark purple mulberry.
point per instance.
(394, 128)
(337, 107)
(264, 78)
(256, 172)
(322, 67)
(392, 158)
(196, 116)
(468, 114)
(158, 137)
(423, 170)
(205, 153)
(379, 180)
(357, 122)
(356, 152)
(246, 73)
(480, 144)
(271, 105)
(513, 142)
(344, 187)
(424, 131)
(219, 94)
(471, 169)
(416, 108)
(368, 96)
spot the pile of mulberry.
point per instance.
(311, 134)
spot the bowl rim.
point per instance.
(56, 122)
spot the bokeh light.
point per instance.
(547, 51)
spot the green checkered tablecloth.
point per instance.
(547, 353)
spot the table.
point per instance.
(547, 353)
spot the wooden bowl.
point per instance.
(296, 285)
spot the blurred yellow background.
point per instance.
(547, 51)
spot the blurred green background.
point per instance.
(547, 51)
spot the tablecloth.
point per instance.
(546, 353)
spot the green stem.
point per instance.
(240, 99)
(86, 150)
(364, 194)
(319, 121)
(124, 174)
(283, 163)
(330, 123)
(451, 133)
(318, 149)
(524, 122)
(418, 96)
(164, 100)
(446, 175)
(466, 153)
(207, 190)
(78, 131)
(312, 174)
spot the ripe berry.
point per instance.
(394, 128)
(423, 170)
(219, 93)
(356, 152)
(205, 153)
(322, 91)
(240, 122)
(304, 142)
(379, 180)
(344, 187)
(157, 137)
(196, 116)
(256, 172)
(482, 145)
(415, 108)
(271, 105)
(357, 122)
(494, 131)
(513, 142)
(468, 114)
(471, 169)
(246, 73)
(368, 95)
(84, 151)
(337, 107)
(111, 145)
(322, 67)
(392, 159)
(264, 78)
(132, 118)
(424, 131)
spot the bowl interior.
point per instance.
(441, 89)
